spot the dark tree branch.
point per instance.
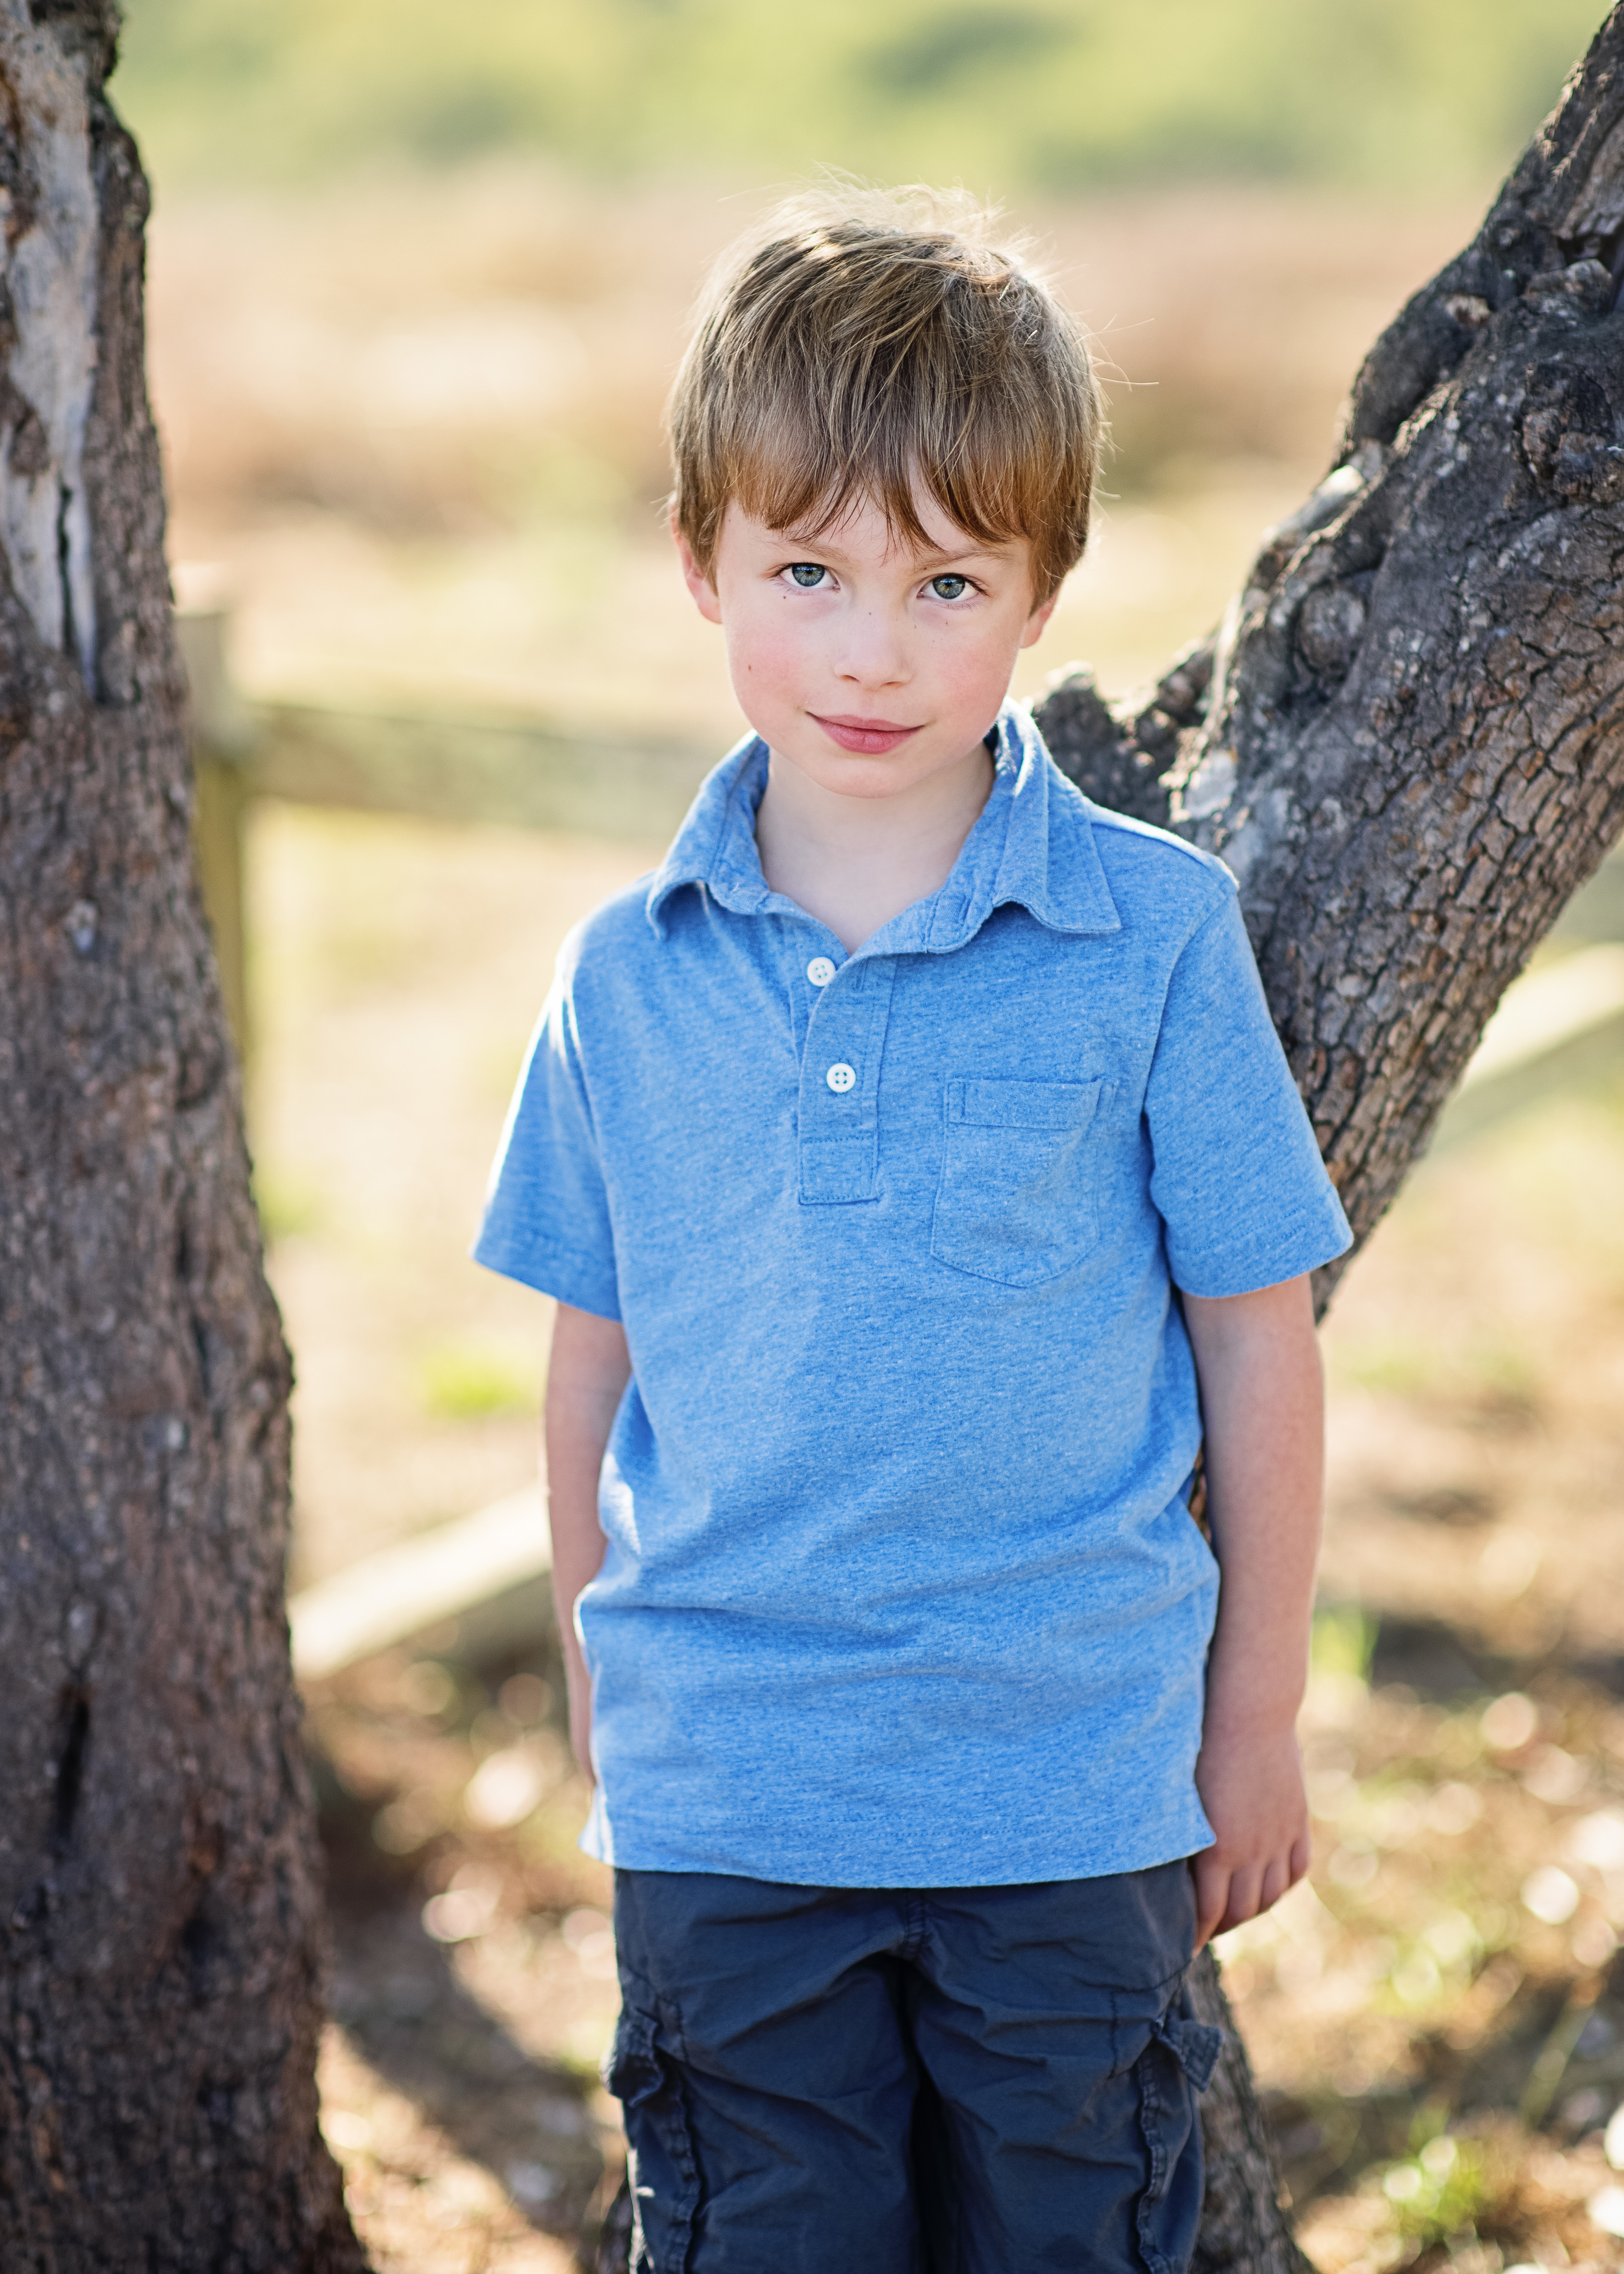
(1410, 746)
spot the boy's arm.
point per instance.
(1262, 1401)
(589, 1368)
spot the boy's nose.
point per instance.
(874, 652)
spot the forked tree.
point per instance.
(1406, 739)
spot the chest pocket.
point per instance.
(1016, 1202)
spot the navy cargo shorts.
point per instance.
(910, 2080)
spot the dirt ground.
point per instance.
(1437, 2017)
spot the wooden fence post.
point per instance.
(222, 740)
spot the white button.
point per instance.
(820, 971)
(841, 1077)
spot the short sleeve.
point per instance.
(1237, 1176)
(547, 1216)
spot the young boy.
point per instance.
(920, 1184)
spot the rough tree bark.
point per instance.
(160, 1905)
(1407, 737)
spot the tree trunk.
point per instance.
(1407, 738)
(160, 1904)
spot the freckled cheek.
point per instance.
(766, 653)
(972, 671)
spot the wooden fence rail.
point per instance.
(517, 772)
(525, 774)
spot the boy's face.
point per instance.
(870, 663)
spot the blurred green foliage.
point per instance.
(289, 1205)
(1344, 1641)
(477, 1380)
(1038, 96)
(1443, 2192)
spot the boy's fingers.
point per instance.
(1276, 1879)
(1227, 1895)
(1212, 1896)
(1245, 1892)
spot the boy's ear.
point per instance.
(1036, 621)
(693, 576)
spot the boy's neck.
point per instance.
(855, 862)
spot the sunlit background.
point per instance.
(418, 277)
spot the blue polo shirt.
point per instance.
(901, 1588)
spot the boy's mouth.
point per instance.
(868, 738)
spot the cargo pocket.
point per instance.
(661, 2171)
(1016, 1201)
(1176, 2066)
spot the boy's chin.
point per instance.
(840, 773)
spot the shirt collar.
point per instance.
(1031, 846)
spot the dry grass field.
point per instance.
(415, 424)
(417, 419)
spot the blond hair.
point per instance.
(869, 344)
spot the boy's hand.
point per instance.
(1252, 1789)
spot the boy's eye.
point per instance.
(807, 574)
(949, 588)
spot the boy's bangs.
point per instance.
(791, 480)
